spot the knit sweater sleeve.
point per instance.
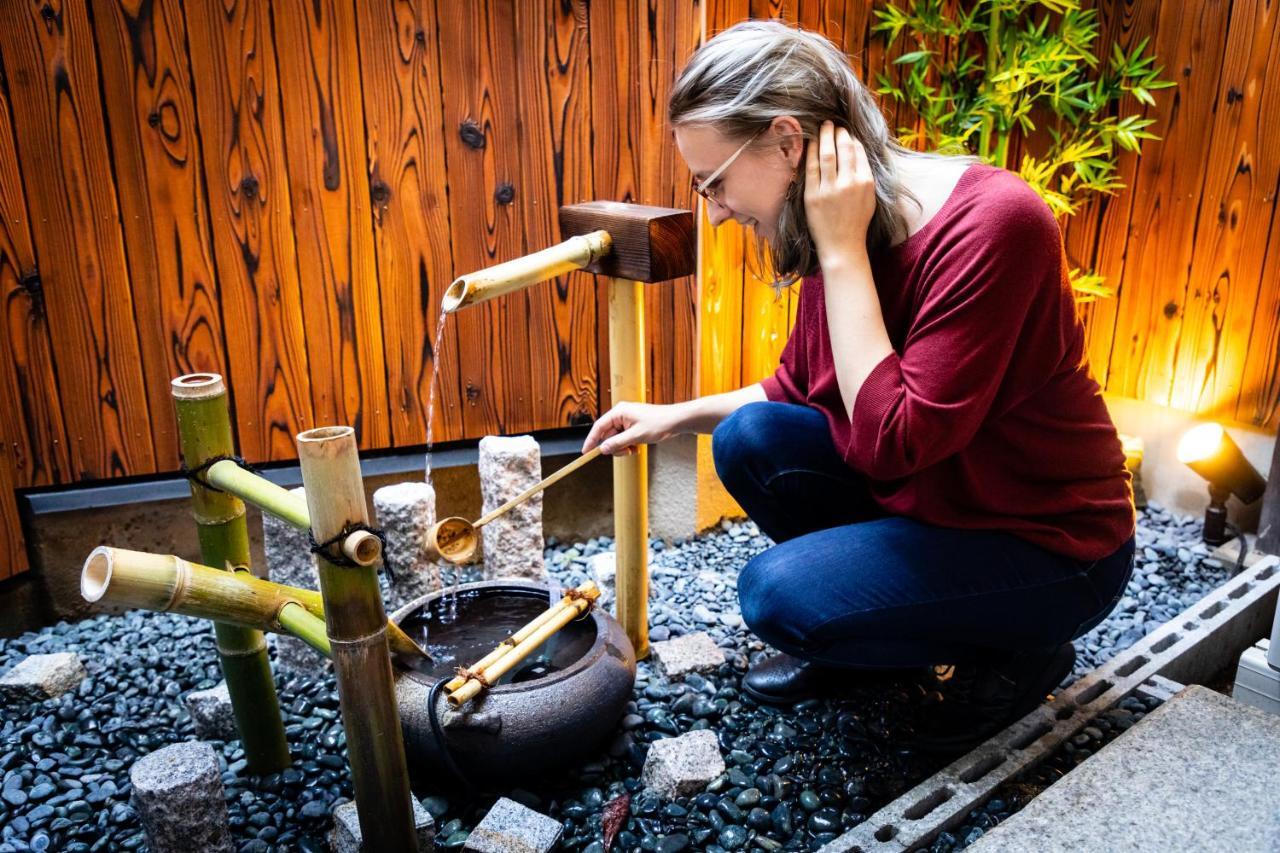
(790, 382)
(925, 402)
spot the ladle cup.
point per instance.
(455, 539)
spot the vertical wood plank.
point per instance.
(238, 113)
(408, 175)
(13, 549)
(554, 86)
(324, 143)
(31, 423)
(147, 94)
(47, 50)
(477, 72)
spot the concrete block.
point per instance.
(212, 714)
(290, 562)
(513, 543)
(1197, 773)
(405, 511)
(510, 827)
(41, 677)
(178, 794)
(682, 766)
(345, 836)
(1257, 684)
(673, 488)
(695, 652)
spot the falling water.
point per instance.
(451, 601)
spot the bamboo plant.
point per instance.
(994, 68)
(204, 431)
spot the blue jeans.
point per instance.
(848, 585)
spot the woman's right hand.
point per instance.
(621, 429)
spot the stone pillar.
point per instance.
(404, 512)
(513, 543)
(178, 794)
(290, 562)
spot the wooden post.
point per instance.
(357, 628)
(204, 431)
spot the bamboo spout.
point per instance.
(573, 254)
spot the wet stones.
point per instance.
(695, 652)
(405, 511)
(681, 766)
(211, 713)
(512, 543)
(40, 677)
(177, 791)
(510, 827)
(345, 836)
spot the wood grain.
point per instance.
(48, 54)
(13, 550)
(319, 67)
(251, 216)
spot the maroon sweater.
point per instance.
(984, 416)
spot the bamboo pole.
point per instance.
(630, 472)
(557, 617)
(358, 635)
(588, 589)
(204, 432)
(573, 254)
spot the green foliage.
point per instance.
(978, 76)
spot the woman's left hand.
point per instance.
(839, 195)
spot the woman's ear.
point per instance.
(789, 137)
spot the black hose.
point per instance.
(438, 733)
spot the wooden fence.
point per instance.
(280, 191)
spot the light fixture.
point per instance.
(1210, 452)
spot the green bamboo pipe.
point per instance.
(260, 492)
(306, 626)
(357, 627)
(204, 432)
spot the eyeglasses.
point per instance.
(704, 189)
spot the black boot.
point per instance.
(976, 701)
(783, 679)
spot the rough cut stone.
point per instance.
(345, 836)
(603, 568)
(177, 792)
(41, 677)
(682, 766)
(212, 713)
(695, 652)
(512, 543)
(405, 511)
(512, 828)
(290, 562)
(1197, 773)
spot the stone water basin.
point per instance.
(554, 709)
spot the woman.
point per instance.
(937, 467)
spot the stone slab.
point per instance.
(41, 677)
(682, 766)
(513, 543)
(178, 794)
(345, 836)
(405, 512)
(1198, 773)
(212, 714)
(695, 652)
(510, 827)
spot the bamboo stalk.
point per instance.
(358, 635)
(204, 432)
(562, 616)
(630, 472)
(573, 254)
(260, 492)
(306, 626)
(587, 588)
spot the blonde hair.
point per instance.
(756, 71)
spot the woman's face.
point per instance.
(753, 188)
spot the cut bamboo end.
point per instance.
(572, 254)
(453, 539)
(197, 386)
(95, 577)
(363, 548)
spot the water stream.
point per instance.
(443, 566)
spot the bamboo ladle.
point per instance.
(456, 539)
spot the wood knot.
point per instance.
(473, 393)
(31, 283)
(505, 193)
(153, 118)
(1171, 310)
(1234, 95)
(46, 12)
(420, 36)
(471, 134)
(380, 193)
(249, 186)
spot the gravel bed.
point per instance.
(796, 777)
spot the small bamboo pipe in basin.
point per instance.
(455, 539)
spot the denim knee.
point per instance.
(765, 596)
(742, 438)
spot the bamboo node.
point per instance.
(468, 674)
(331, 548)
(576, 595)
(196, 474)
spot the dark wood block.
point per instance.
(649, 243)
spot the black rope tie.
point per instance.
(335, 556)
(196, 474)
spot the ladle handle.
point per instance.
(533, 490)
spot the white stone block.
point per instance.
(695, 652)
(212, 713)
(345, 837)
(513, 543)
(41, 677)
(682, 766)
(510, 827)
(178, 794)
(405, 512)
